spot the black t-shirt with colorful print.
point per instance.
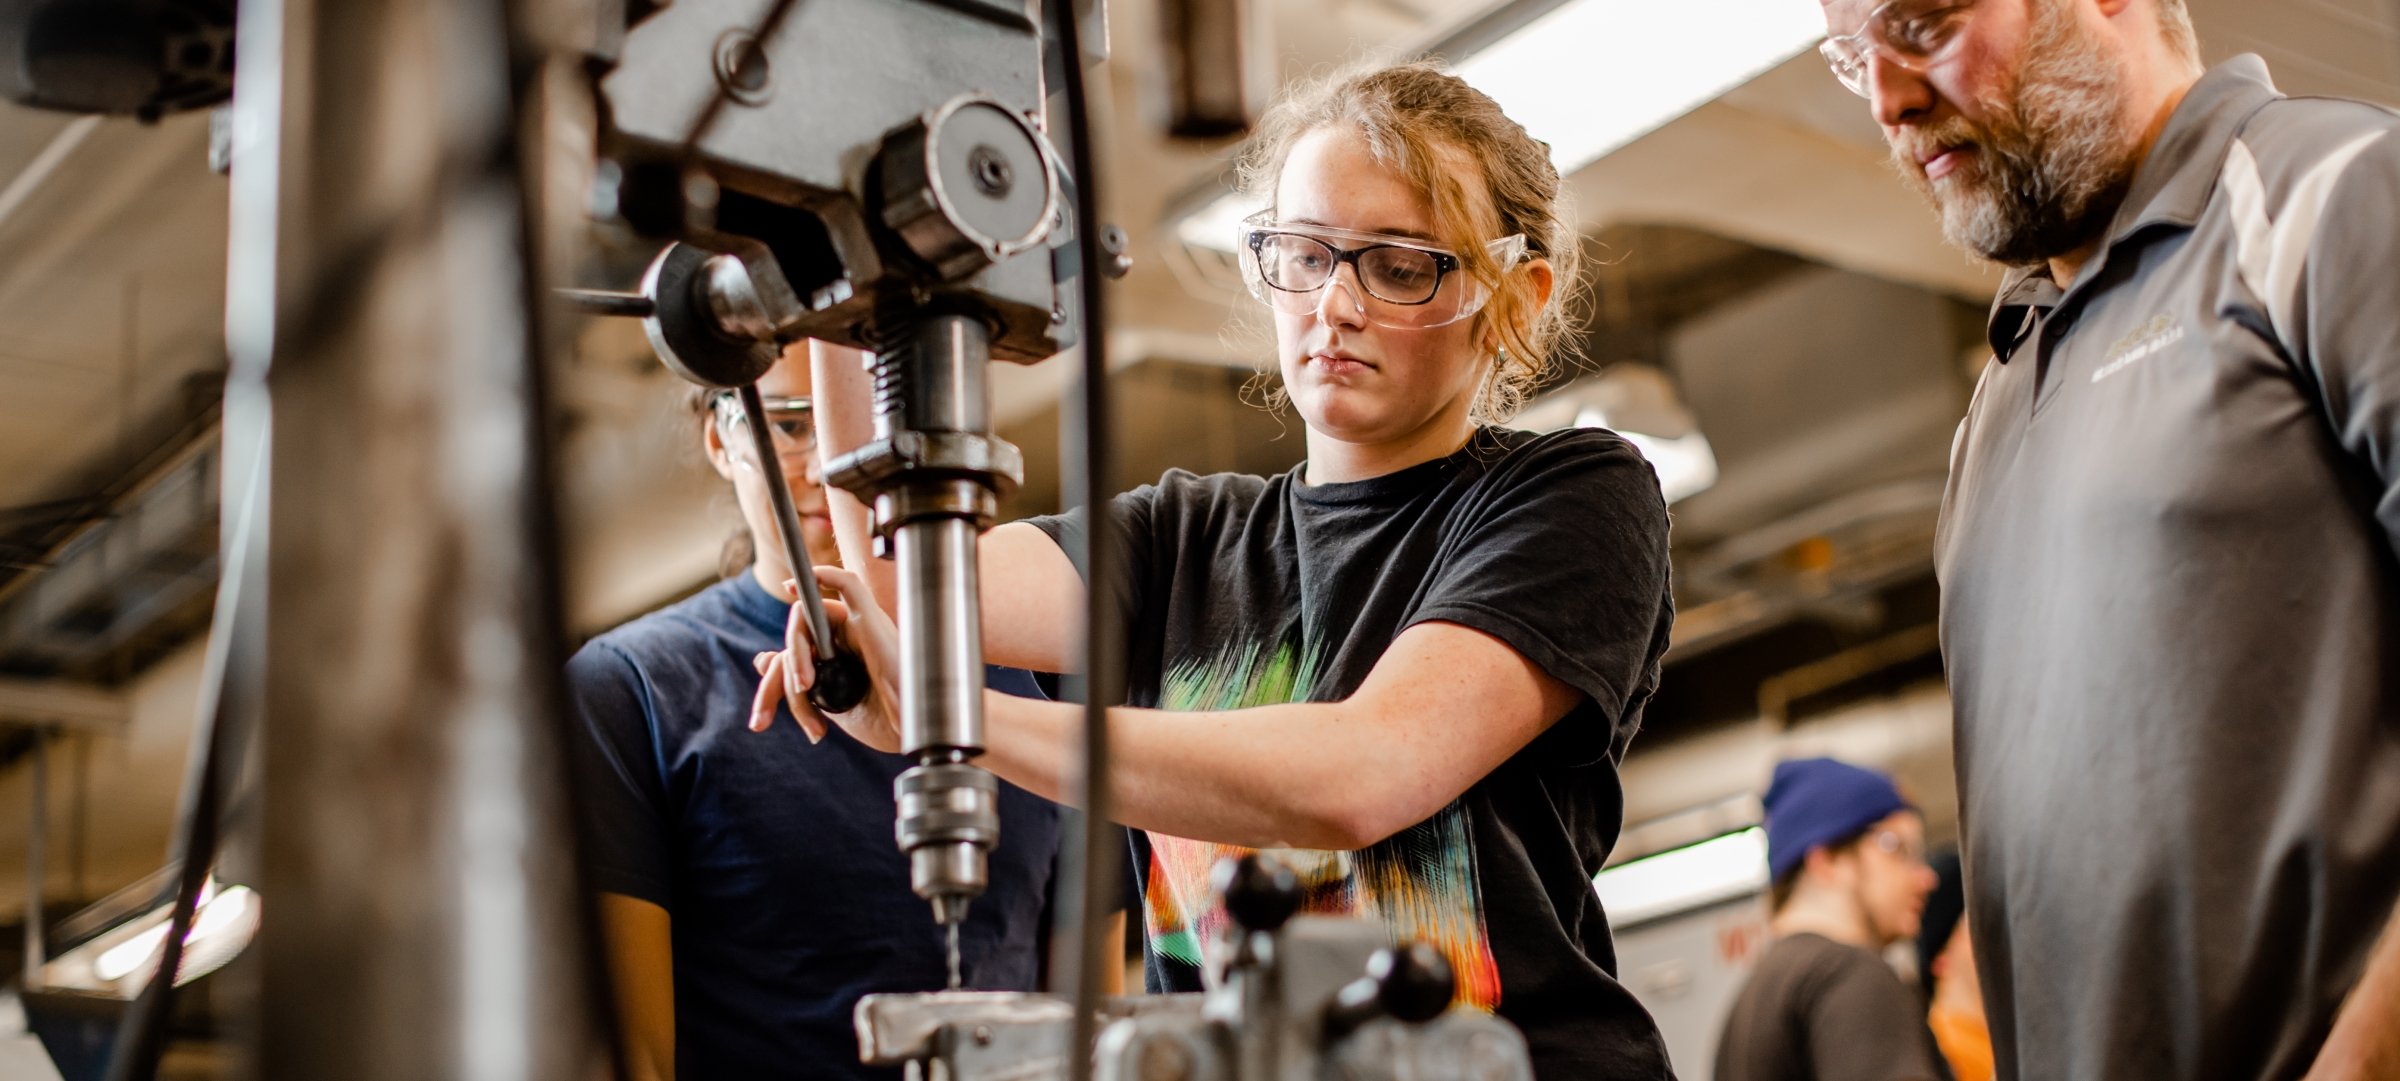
(1245, 591)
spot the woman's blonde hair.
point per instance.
(1419, 119)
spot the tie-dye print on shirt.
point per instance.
(1420, 883)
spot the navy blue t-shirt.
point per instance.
(774, 858)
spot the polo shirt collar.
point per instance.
(2172, 187)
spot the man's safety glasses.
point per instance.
(789, 420)
(1401, 281)
(1913, 34)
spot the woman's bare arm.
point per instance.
(1443, 707)
(639, 937)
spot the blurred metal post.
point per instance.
(37, 828)
(424, 918)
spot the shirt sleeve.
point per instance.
(2350, 339)
(1134, 514)
(1865, 1025)
(1564, 558)
(619, 796)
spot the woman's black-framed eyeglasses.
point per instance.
(1392, 273)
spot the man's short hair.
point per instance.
(1779, 893)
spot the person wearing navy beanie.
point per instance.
(1846, 858)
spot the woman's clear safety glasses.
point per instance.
(788, 420)
(1398, 281)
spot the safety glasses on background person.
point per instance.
(1398, 281)
(1911, 34)
(789, 420)
(1907, 850)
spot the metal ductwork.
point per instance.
(128, 587)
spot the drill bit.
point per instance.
(955, 981)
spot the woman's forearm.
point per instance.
(1272, 776)
(1443, 708)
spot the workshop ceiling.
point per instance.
(112, 241)
(1773, 199)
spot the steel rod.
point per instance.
(606, 302)
(941, 637)
(1093, 868)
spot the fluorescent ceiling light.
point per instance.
(1682, 879)
(221, 926)
(1594, 75)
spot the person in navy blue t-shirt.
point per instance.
(751, 890)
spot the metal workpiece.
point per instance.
(895, 1030)
(1331, 999)
(1180, 1046)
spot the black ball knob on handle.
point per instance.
(841, 683)
(1259, 892)
(841, 676)
(1411, 984)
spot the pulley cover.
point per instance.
(968, 185)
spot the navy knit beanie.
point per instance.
(1817, 801)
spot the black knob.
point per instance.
(841, 684)
(1411, 984)
(1259, 893)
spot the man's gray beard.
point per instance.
(2053, 164)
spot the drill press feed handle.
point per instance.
(841, 676)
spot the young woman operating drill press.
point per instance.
(1412, 663)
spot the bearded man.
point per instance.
(2170, 584)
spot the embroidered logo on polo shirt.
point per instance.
(2138, 345)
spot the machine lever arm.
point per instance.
(607, 302)
(841, 677)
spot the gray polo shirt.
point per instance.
(2171, 606)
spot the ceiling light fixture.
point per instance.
(1589, 76)
(1638, 402)
(1682, 879)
